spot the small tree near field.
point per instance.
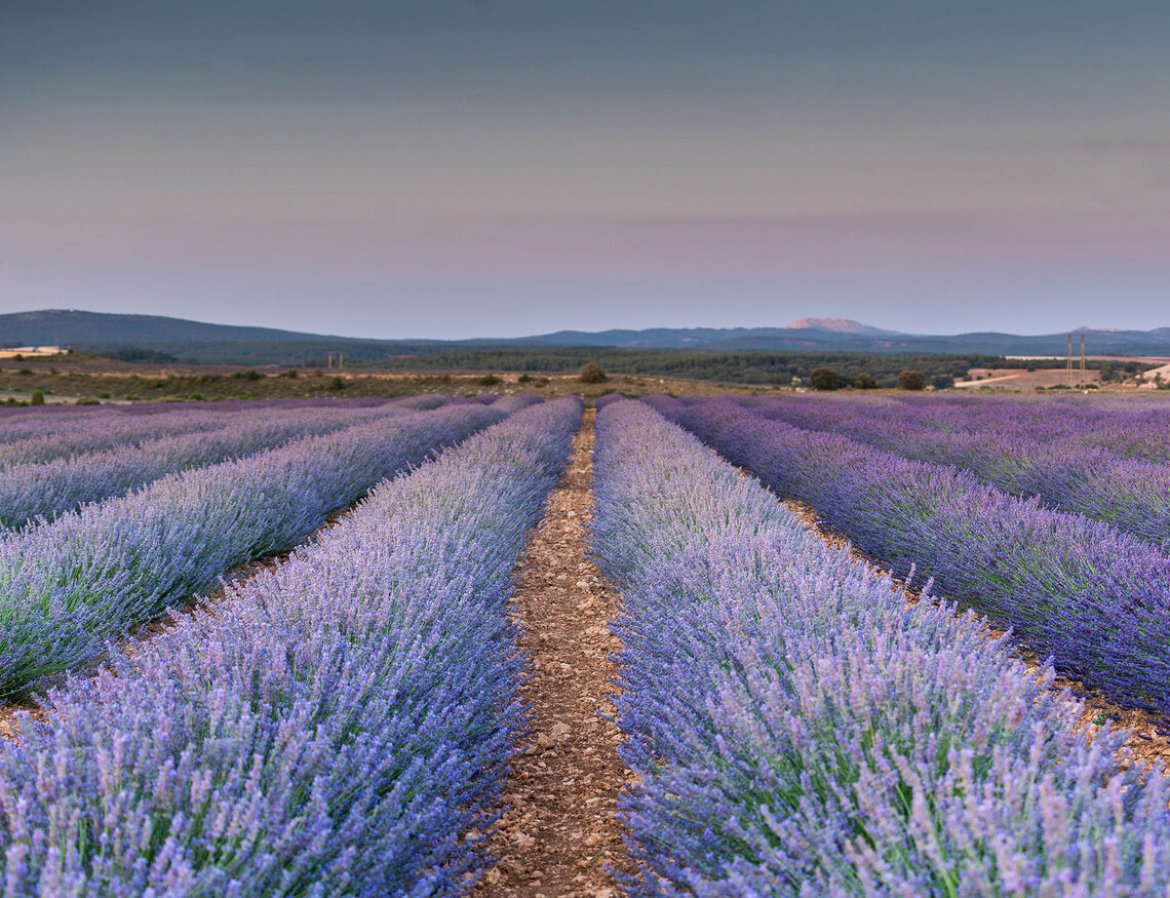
(592, 374)
(911, 380)
(826, 379)
(865, 381)
(38, 398)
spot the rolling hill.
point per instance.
(194, 341)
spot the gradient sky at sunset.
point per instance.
(453, 169)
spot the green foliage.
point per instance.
(488, 380)
(865, 381)
(827, 379)
(592, 373)
(38, 398)
(747, 367)
(138, 354)
(911, 380)
(337, 384)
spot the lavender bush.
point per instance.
(1070, 461)
(1077, 590)
(796, 729)
(94, 433)
(46, 490)
(68, 587)
(68, 431)
(337, 727)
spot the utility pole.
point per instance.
(341, 360)
(329, 360)
(1068, 369)
(1083, 381)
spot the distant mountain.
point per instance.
(798, 332)
(69, 327)
(842, 335)
(839, 326)
(159, 338)
(153, 336)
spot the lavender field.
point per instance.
(273, 648)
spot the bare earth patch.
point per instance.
(1023, 379)
(560, 833)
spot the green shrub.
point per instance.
(488, 380)
(911, 380)
(826, 379)
(865, 381)
(592, 374)
(38, 398)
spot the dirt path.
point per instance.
(561, 831)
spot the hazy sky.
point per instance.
(449, 169)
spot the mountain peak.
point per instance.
(836, 325)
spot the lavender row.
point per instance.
(1131, 494)
(53, 437)
(46, 490)
(17, 419)
(97, 433)
(339, 727)
(1137, 432)
(1123, 426)
(68, 587)
(1077, 590)
(795, 729)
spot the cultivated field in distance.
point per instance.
(741, 643)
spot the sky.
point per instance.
(446, 168)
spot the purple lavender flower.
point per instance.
(1080, 591)
(795, 729)
(338, 726)
(69, 586)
